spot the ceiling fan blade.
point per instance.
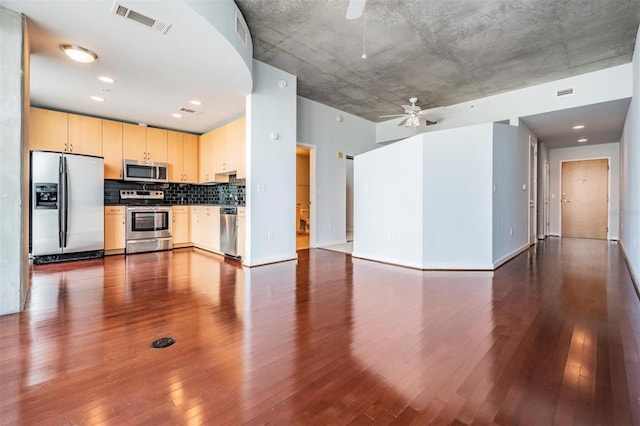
(394, 115)
(403, 122)
(355, 9)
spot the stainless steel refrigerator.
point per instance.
(67, 206)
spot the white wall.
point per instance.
(388, 203)
(14, 198)
(590, 152)
(318, 126)
(630, 175)
(271, 167)
(427, 201)
(458, 198)
(595, 87)
(510, 201)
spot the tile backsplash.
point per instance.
(179, 193)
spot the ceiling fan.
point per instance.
(413, 114)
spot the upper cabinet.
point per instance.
(222, 152)
(182, 150)
(62, 132)
(112, 149)
(145, 144)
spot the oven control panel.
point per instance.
(137, 194)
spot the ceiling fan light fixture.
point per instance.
(412, 121)
(78, 54)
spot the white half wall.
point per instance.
(630, 176)
(590, 88)
(319, 126)
(271, 166)
(610, 151)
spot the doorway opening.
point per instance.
(584, 205)
(533, 188)
(349, 192)
(303, 224)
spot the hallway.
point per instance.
(551, 337)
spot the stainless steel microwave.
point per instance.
(137, 171)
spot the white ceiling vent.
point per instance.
(189, 110)
(148, 22)
(564, 92)
(241, 30)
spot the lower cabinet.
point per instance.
(241, 224)
(114, 229)
(205, 227)
(180, 226)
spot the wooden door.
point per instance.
(134, 142)
(48, 130)
(112, 149)
(174, 153)
(85, 135)
(585, 198)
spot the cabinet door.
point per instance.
(48, 130)
(134, 142)
(190, 158)
(114, 228)
(180, 226)
(112, 149)
(205, 159)
(242, 220)
(241, 170)
(219, 136)
(174, 152)
(231, 147)
(85, 135)
(213, 216)
(196, 228)
(156, 145)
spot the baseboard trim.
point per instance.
(510, 256)
(634, 278)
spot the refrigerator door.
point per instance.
(85, 203)
(45, 229)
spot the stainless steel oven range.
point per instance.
(148, 224)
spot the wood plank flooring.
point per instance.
(552, 337)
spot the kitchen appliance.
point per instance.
(67, 206)
(148, 221)
(229, 231)
(137, 171)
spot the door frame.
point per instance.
(312, 193)
(608, 191)
(533, 190)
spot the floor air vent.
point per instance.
(148, 22)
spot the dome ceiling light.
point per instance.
(79, 54)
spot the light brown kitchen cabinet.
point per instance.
(182, 153)
(156, 145)
(112, 149)
(195, 230)
(134, 142)
(63, 132)
(205, 227)
(241, 230)
(85, 135)
(206, 157)
(48, 130)
(114, 229)
(241, 169)
(180, 226)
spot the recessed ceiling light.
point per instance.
(196, 102)
(176, 115)
(106, 79)
(581, 140)
(97, 98)
(79, 54)
(578, 126)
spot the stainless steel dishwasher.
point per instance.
(229, 231)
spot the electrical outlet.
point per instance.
(391, 235)
(510, 231)
(270, 235)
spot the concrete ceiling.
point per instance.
(441, 51)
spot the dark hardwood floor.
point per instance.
(552, 337)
